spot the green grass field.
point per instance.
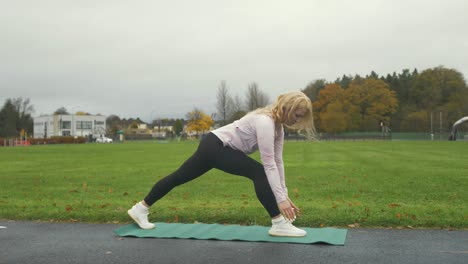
(421, 184)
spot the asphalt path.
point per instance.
(40, 242)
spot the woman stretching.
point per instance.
(226, 149)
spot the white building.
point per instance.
(69, 125)
(161, 131)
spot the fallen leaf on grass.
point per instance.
(354, 225)
(296, 192)
(393, 205)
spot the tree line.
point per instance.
(405, 101)
(402, 101)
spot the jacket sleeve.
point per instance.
(279, 142)
(265, 128)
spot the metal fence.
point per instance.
(393, 136)
(13, 142)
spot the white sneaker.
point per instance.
(282, 227)
(139, 213)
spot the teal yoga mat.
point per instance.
(332, 236)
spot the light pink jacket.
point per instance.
(257, 131)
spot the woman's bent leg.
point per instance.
(238, 163)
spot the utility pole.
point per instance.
(432, 130)
(440, 132)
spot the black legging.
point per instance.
(212, 154)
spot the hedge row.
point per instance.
(57, 140)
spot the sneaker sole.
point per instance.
(137, 221)
(285, 235)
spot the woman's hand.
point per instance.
(296, 209)
(287, 210)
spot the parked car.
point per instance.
(103, 140)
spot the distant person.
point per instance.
(226, 149)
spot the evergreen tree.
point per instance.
(178, 126)
(313, 89)
(15, 116)
(61, 111)
(345, 81)
(8, 120)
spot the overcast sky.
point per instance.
(157, 59)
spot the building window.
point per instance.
(84, 125)
(66, 133)
(99, 123)
(65, 125)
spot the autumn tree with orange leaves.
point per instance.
(362, 106)
(373, 101)
(330, 111)
(198, 121)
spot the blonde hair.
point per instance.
(284, 109)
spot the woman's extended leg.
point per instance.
(195, 166)
(191, 169)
